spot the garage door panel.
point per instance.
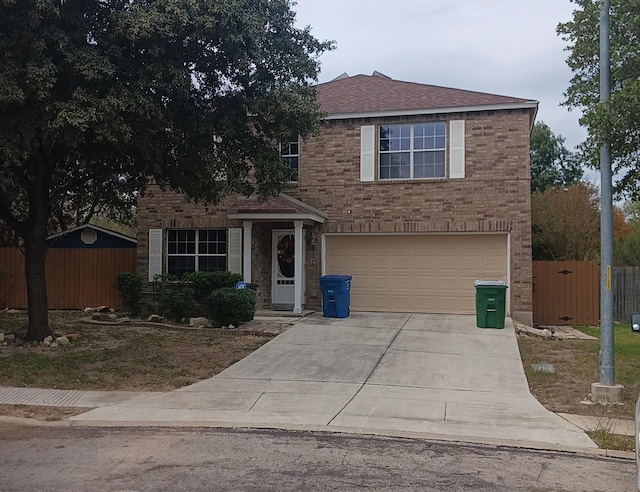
(401, 262)
(493, 263)
(361, 262)
(416, 273)
(470, 262)
(375, 281)
(448, 283)
(449, 305)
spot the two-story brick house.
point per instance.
(414, 190)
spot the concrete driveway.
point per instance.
(437, 376)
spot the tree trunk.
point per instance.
(35, 244)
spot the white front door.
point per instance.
(283, 271)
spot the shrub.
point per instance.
(204, 283)
(130, 285)
(174, 298)
(228, 306)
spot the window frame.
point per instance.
(197, 243)
(412, 151)
(288, 156)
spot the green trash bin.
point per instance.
(490, 303)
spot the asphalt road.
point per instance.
(130, 459)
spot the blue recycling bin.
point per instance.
(336, 297)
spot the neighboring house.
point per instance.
(90, 236)
(80, 269)
(414, 190)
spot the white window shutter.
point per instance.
(367, 152)
(155, 253)
(456, 149)
(235, 250)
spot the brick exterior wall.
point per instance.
(494, 196)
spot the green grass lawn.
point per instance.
(626, 355)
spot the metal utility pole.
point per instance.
(607, 372)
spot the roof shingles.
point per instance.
(376, 93)
(281, 204)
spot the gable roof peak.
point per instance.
(380, 74)
(343, 75)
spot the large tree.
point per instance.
(565, 223)
(99, 96)
(616, 122)
(626, 242)
(552, 164)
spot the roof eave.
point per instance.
(95, 227)
(414, 112)
(275, 216)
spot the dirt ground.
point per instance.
(575, 366)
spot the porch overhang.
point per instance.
(277, 217)
(281, 208)
(278, 209)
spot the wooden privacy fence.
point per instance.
(76, 278)
(566, 293)
(626, 292)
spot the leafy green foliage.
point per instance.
(204, 283)
(130, 285)
(212, 294)
(614, 123)
(229, 306)
(173, 298)
(552, 165)
(626, 245)
(97, 97)
(565, 224)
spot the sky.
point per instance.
(506, 47)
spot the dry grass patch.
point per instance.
(576, 366)
(44, 414)
(124, 357)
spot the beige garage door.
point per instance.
(416, 273)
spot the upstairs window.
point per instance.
(191, 250)
(412, 151)
(290, 152)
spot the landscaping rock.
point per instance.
(48, 339)
(100, 316)
(12, 311)
(155, 318)
(103, 309)
(62, 341)
(198, 322)
(46, 343)
(231, 327)
(552, 332)
(123, 319)
(88, 310)
(9, 337)
(53, 345)
(113, 316)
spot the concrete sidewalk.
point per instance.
(435, 376)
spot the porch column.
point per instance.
(246, 254)
(298, 287)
